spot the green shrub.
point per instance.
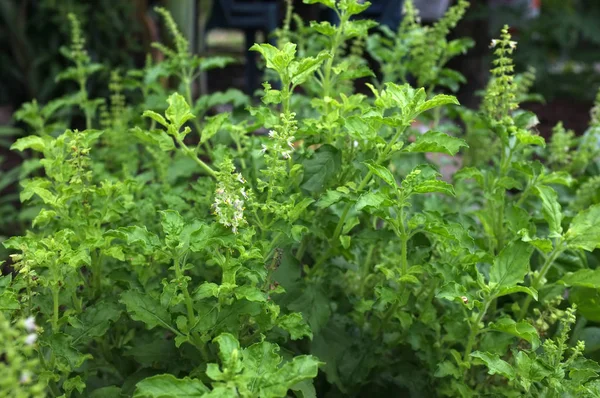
(179, 254)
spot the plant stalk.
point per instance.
(558, 249)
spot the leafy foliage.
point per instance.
(175, 253)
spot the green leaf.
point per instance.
(423, 179)
(9, 301)
(518, 219)
(295, 325)
(155, 137)
(213, 126)
(372, 199)
(544, 245)
(277, 59)
(587, 301)
(301, 71)
(428, 186)
(95, 321)
(250, 293)
(299, 208)
(172, 225)
(551, 209)
(37, 187)
(313, 304)
(355, 7)
(517, 289)
(453, 291)
(304, 367)
(34, 142)
(435, 141)
(329, 198)
(326, 3)
(156, 117)
(178, 111)
(345, 241)
(207, 289)
(495, 365)
(438, 100)
(141, 307)
(382, 173)
(530, 370)
(525, 137)
(168, 386)
(321, 169)
(584, 232)
(511, 265)
(521, 329)
(558, 177)
(526, 120)
(582, 278)
(106, 392)
(67, 357)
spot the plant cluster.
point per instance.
(178, 253)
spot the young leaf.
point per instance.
(551, 209)
(301, 71)
(435, 141)
(582, 278)
(521, 329)
(213, 125)
(178, 111)
(156, 117)
(511, 265)
(584, 232)
(382, 173)
(438, 100)
(34, 142)
(326, 3)
(495, 365)
(166, 385)
(295, 325)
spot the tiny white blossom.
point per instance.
(285, 154)
(493, 43)
(264, 149)
(244, 194)
(25, 377)
(355, 144)
(240, 178)
(290, 143)
(31, 339)
(272, 133)
(512, 44)
(29, 324)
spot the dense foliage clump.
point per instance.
(345, 251)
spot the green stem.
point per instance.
(536, 282)
(55, 302)
(302, 248)
(192, 154)
(475, 329)
(404, 250)
(188, 299)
